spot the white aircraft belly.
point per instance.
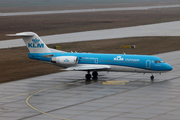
(114, 68)
(131, 69)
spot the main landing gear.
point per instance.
(94, 74)
(88, 75)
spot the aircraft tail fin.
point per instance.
(33, 42)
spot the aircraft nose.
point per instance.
(168, 67)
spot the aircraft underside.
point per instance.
(92, 68)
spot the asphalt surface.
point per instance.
(86, 10)
(66, 96)
(115, 96)
(160, 29)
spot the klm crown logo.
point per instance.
(35, 40)
(66, 60)
(118, 58)
(35, 44)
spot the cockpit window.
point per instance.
(157, 61)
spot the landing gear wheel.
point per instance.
(88, 76)
(152, 78)
(95, 74)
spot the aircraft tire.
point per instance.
(88, 76)
(95, 74)
(152, 78)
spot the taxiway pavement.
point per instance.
(66, 96)
(88, 10)
(160, 29)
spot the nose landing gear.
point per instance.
(152, 78)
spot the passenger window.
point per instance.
(108, 60)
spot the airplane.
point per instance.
(92, 62)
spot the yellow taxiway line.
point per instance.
(27, 101)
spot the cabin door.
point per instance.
(96, 60)
(148, 64)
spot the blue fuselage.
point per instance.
(118, 62)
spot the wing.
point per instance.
(89, 67)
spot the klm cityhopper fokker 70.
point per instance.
(92, 61)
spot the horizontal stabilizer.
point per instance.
(23, 34)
